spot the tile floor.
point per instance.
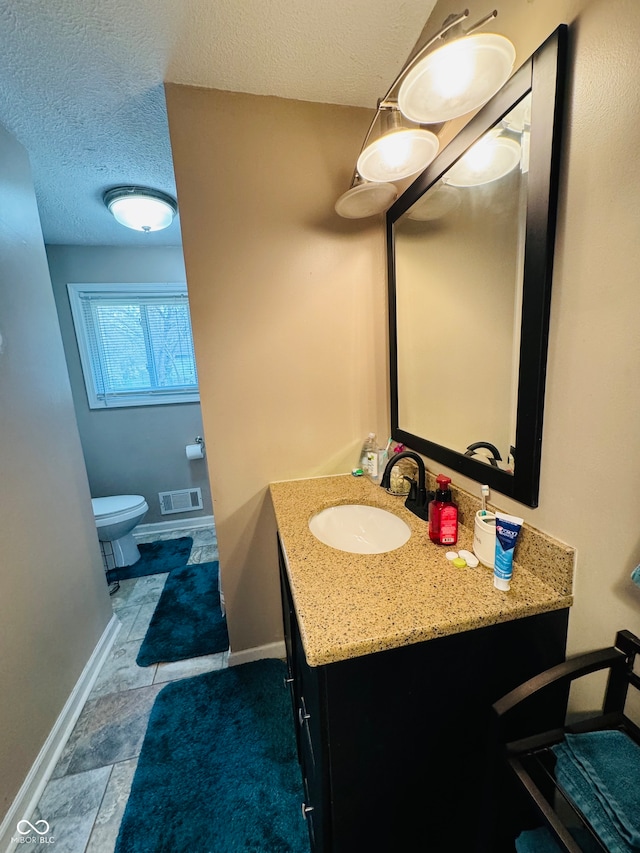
(85, 798)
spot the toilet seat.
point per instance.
(117, 508)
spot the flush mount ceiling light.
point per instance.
(141, 208)
(451, 80)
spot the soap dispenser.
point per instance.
(443, 514)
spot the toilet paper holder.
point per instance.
(196, 450)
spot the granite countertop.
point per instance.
(355, 604)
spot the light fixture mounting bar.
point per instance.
(386, 102)
(482, 22)
(453, 21)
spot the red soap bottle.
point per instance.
(443, 514)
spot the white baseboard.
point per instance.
(42, 768)
(174, 524)
(271, 650)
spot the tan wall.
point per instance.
(289, 312)
(54, 603)
(289, 315)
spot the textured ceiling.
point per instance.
(81, 83)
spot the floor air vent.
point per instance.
(182, 500)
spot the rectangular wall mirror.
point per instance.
(470, 256)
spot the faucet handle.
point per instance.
(413, 489)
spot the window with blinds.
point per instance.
(135, 343)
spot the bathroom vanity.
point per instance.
(394, 660)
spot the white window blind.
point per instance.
(135, 343)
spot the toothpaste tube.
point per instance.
(507, 530)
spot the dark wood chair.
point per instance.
(531, 758)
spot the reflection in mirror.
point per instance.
(471, 296)
(470, 253)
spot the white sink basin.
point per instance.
(360, 529)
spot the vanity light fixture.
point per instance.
(141, 208)
(400, 151)
(456, 78)
(451, 80)
(366, 199)
(492, 157)
(436, 204)
(518, 124)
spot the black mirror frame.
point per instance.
(544, 76)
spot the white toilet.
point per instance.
(116, 517)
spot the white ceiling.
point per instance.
(81, 83)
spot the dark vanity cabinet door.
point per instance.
(307, 701)
(312, 747)
(397, 748)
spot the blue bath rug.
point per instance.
(155, 558)
(187, 621)
(218, 770)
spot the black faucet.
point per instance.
(488, 446)
(418, 498)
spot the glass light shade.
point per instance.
(490, 158)
(141, 209)
(456, 78)
(365, 200)
(519, 118)
(398, 154)
(435, 204)
(518, 122)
